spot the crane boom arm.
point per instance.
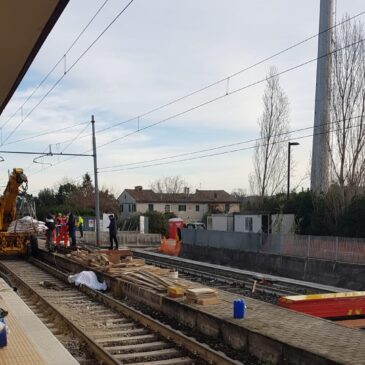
(8, 199)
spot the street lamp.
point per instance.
(289, 145)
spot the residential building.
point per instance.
(191, 207)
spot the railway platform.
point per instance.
(271, 333)
(29, 340)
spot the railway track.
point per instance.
(231, 280)
(96, 328)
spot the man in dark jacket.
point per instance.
(71, 229)
(50, 223)
(113, 232)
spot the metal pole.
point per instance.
(97, 206)
(288, 187)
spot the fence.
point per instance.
(130, 239)
(342, 249)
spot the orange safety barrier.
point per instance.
(170, 246)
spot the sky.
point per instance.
(154, 53)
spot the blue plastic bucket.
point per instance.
(3, 337)
(239, 308)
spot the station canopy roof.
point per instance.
(24, 26)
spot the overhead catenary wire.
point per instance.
(217, 147)
(230, 151)
(68, 70)
(138, 117)
(201, 89)
(216, 99)
(57, 63)
(46, 133)
(75, 138)
(228, 94)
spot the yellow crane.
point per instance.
(18, 243)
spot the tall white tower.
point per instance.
(321, 138)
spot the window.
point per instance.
(227, 208)
(121, 208)
(182, 208)
(167, 208)
(133, 207)
(248, 224)
(150, 207)
(197, 208)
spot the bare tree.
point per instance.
(169, 185)
(239, 193)
(269, 158)
(347, 107)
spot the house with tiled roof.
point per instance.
(191, 207)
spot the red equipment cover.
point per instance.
(329, 305)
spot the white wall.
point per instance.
(239, 222)
(219, 223)
(126, 201)
(105, 222)
(280, 223)
(190, 215)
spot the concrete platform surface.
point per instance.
(273, 328)
(326, 339)
(29, 340)
(273, 334)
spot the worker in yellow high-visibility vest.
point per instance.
(80, 225)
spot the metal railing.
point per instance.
(341, 249)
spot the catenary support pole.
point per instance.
(288, 187)
(97, 205)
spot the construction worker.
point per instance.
(58, 223)
(113, 232)
(72, 229)
(50, 223)
(80, 223)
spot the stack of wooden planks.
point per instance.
(202, 296)
(128, 268)
(99, 259)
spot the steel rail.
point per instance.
(225, 280)
(102, 355)
(234, 273)
(190, 344)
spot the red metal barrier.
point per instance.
(329, 305)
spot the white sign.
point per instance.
(141, 224)
(106, 221)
